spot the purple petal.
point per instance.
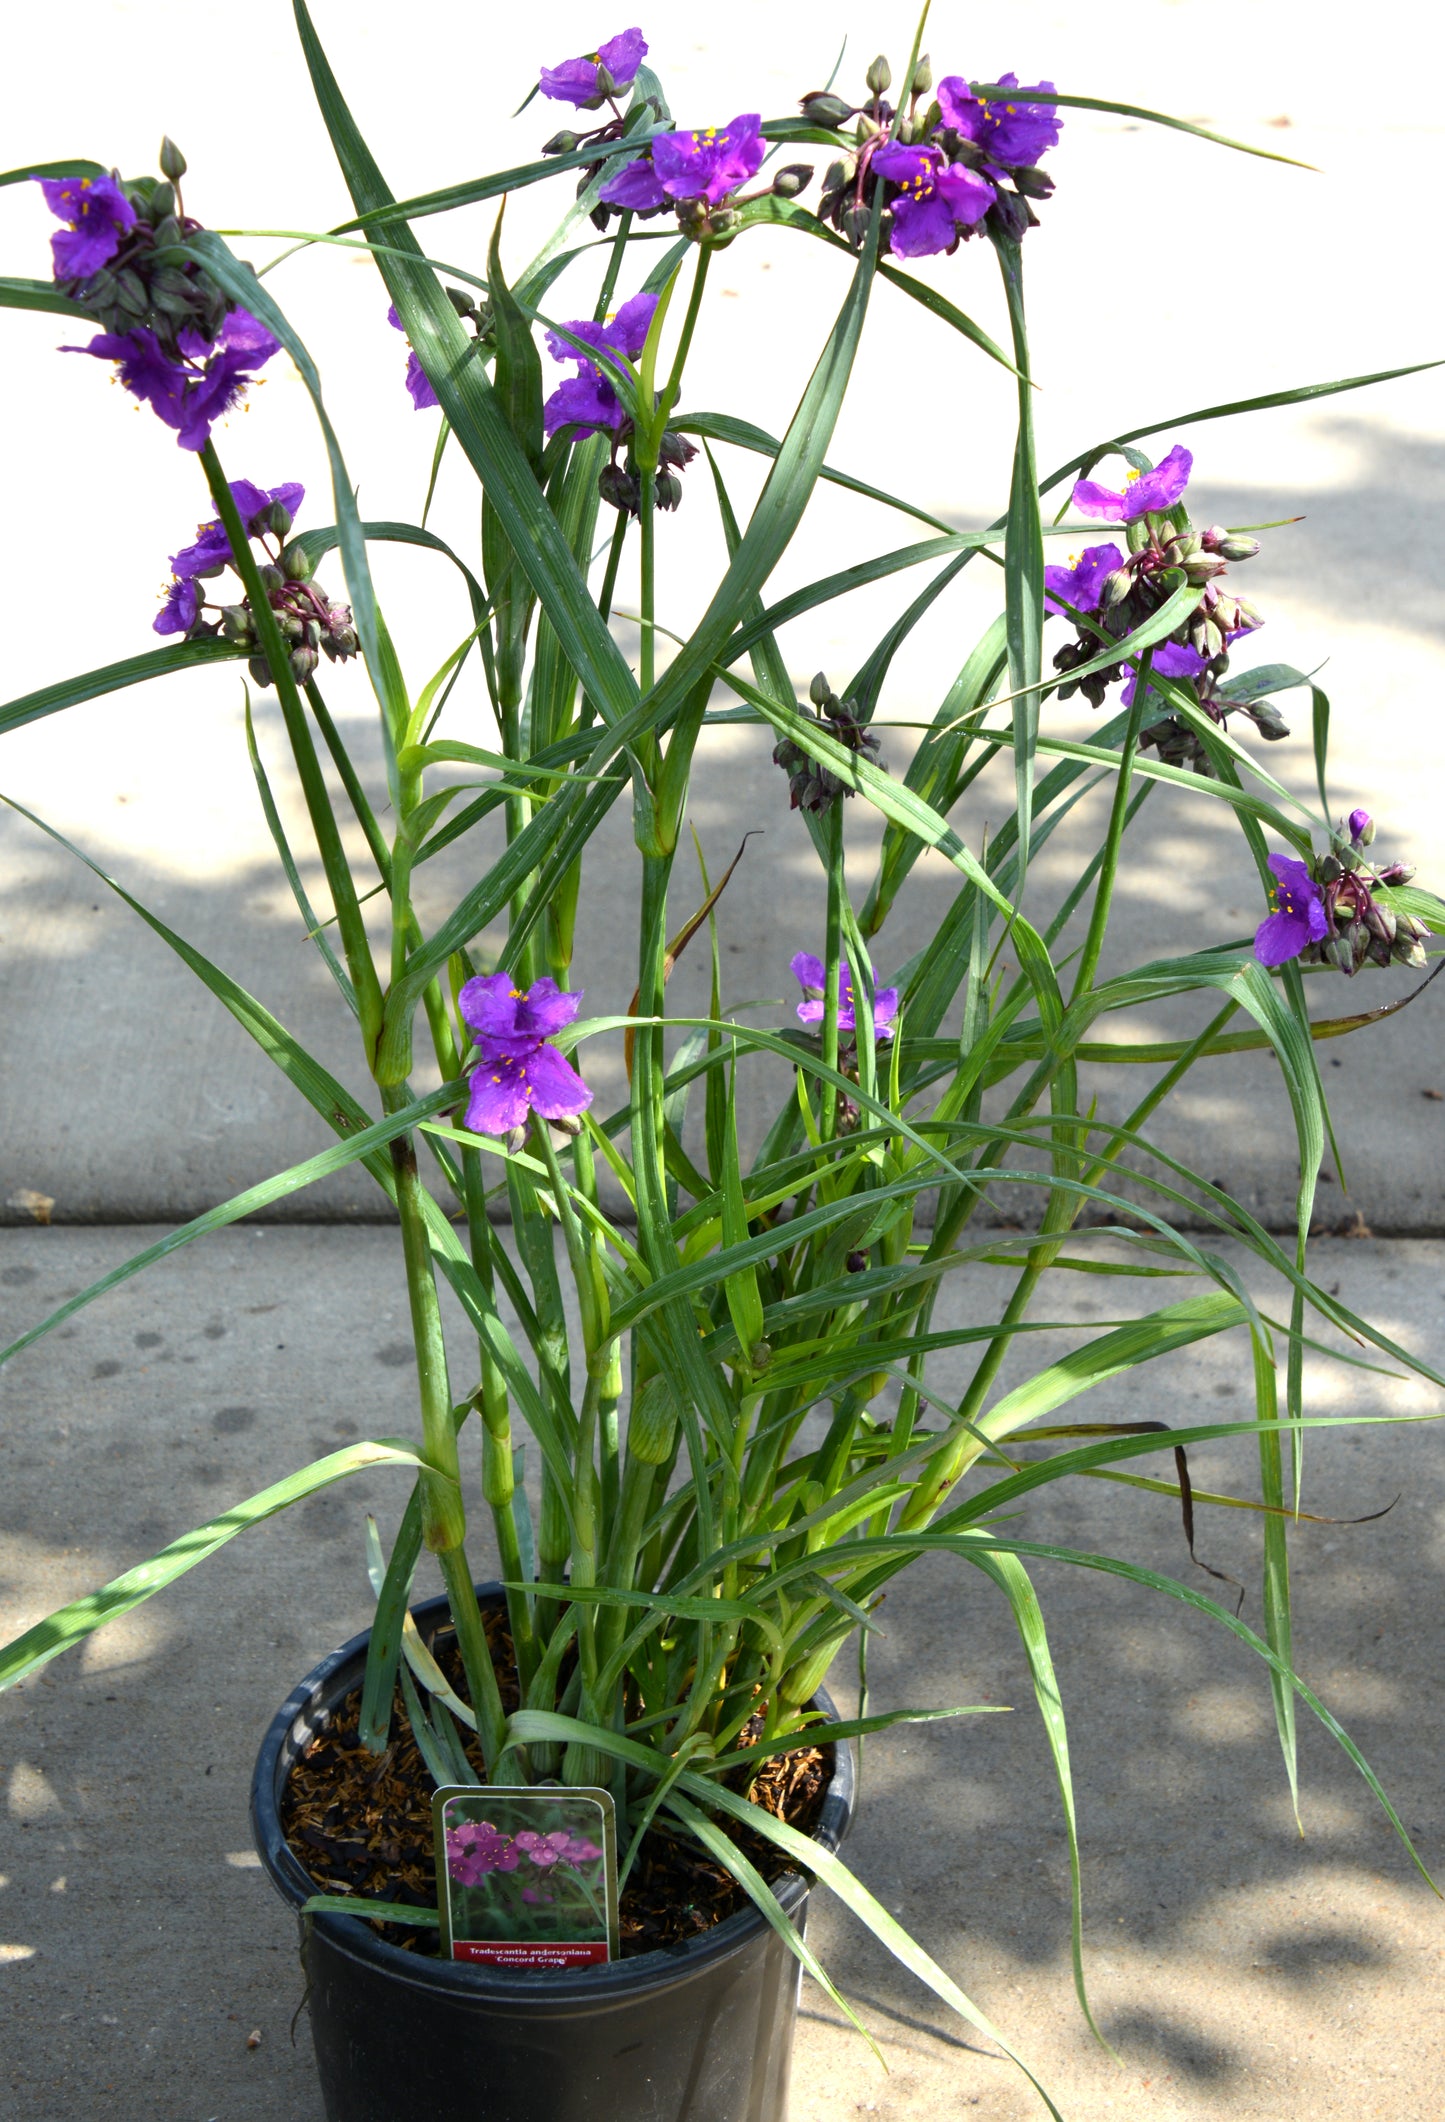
(418, 384)
(178, 614)
(1172, 659)
(968, 196)
(1101, 502)
(627, 333)
(497, 1099)
(622, 55)
(586, 401)
(1359, 820)
(1292, 872)
(545, 1008)
(554, 1086)
(636, 188)
(916, 167)
(885, 1009)
(808, 971)
(488, 1005)
(922, 228)
(244, 335)
(1081, 583)
(1281, 937)
(1160, 488)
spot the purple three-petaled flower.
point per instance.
(577, 80)
(1141, 492)
(588, 400)
(517, 1070)
(812, 975)
(181, 609)
(1081, 583)
(1012, 132)
(933, 202)
(212, 549)
(417, 381)
(98, 215)
(706, 165)
(1299, 917)
(190, 395)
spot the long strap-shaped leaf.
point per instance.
(112, 678)
(468, 401)
(71, 1624)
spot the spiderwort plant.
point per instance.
(693, 1563)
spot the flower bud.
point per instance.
(292, 628)
(1380, 921)
(1397, 873)
(722, 220)
(855, 225)
(1362, 827)
(303, 662)
(277, 520)
(296, 563)
(236, 624)
(563, 143)
(879, 75)
(760, 1355)
(1330, 871)
(1239, 548)
(922, 80)
(1201, 568)
(1349, 858)
(161, 205)
(271, 578)
(618, 488)
(652, 1422)
(1033, 183)
(856, 1262)
(515, 1141)
(1409, 952)
(820, 692)
(260, 671)
(821, 108)
(172, 161)
(1115, 587)
(566, 1124)
(794, 179)
(667, 490)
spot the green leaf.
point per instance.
(40, 294)
(72, 1623)
(77, 166)
(113, 678)
(1009, 1574)
(721, 427)
(366, 1911)
(1106, 1355)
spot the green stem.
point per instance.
(1109, 865)
(673, 388)
(352, 929)
(443, 1513)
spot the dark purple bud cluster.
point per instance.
(810, 785)
(180, 344)
(310, 624)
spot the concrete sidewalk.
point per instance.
(1243, 1974)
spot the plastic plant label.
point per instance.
(526, 1877)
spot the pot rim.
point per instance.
(302, 1714)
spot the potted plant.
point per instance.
(720, 1355)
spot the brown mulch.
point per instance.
(361, 1823)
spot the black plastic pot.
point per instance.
(699, 2033)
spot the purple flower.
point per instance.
(706, 165)
(1142, 491)
(98, 214)
(189, 395)
(812, 975)
(1171, 659)
(577, 81)
(1081, 583)
(933, 201)
(1299, 918)
(476, 1848)
(517, 1069)
(1359, 826)
(588, 399)
(212, 549)
(422, 394)
(179, 612)
(1014, 134)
